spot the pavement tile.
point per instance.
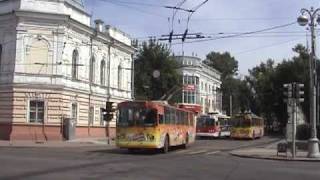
(57, 144)
(264, 153)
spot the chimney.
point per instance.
(99, 25)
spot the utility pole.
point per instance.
(308, 17)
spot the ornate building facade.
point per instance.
(54, 65)
(201, 86)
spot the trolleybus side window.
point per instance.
(166, 115)
(172, 116)
(161, 119)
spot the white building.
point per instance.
(201, 85)
(54, 65)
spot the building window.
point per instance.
(103, 73)
(36, 111)
(74, 111)
(119, 76)
(91, 115)
(0, 55)
(75, 61)
(92, 69)
(101, 117)
(197, 80)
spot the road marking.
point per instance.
(197, 152)
(182, 151)
(213, 152)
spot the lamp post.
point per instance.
(312, 18)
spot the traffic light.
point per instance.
(108, 111)
(288, 91)
(299, 92)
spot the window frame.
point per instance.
(76, 112)
(36, 120)
(102, 122)
(92, 69)
(119, 77)
(103, 72)
(91, 115)
(74, 64)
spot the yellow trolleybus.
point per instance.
(247, 126)
(153, 125)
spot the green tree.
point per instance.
(293, 70)
(228, 66)
(154, 57)
(223, 62)
(267, 79)
(262, 81)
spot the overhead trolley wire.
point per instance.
(240, 34)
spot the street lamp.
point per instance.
(308, 17)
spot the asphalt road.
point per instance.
(206, 159)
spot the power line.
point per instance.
(266, 46)
(133, 8)
(189, 17)
(239, 19)
(240, 34)
(277, 33)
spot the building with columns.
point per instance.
(54, 65)
(201, 86)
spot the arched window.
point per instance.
(75, 61)
(92, 69)
(119, 76)
(0, 55)
(103, 73)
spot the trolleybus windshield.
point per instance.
(129, 116)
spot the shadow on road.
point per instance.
(139, 152)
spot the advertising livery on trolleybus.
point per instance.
(153, 125)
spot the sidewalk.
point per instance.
(270, 152)
(82, 142)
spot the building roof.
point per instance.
(77, 3)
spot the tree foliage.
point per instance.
(267, 81)
(223, 62)
(228, 66)
(154, 56)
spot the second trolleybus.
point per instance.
(247, 126)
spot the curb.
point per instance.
(274, 158)
(65, 144)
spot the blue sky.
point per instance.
(216, 16)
